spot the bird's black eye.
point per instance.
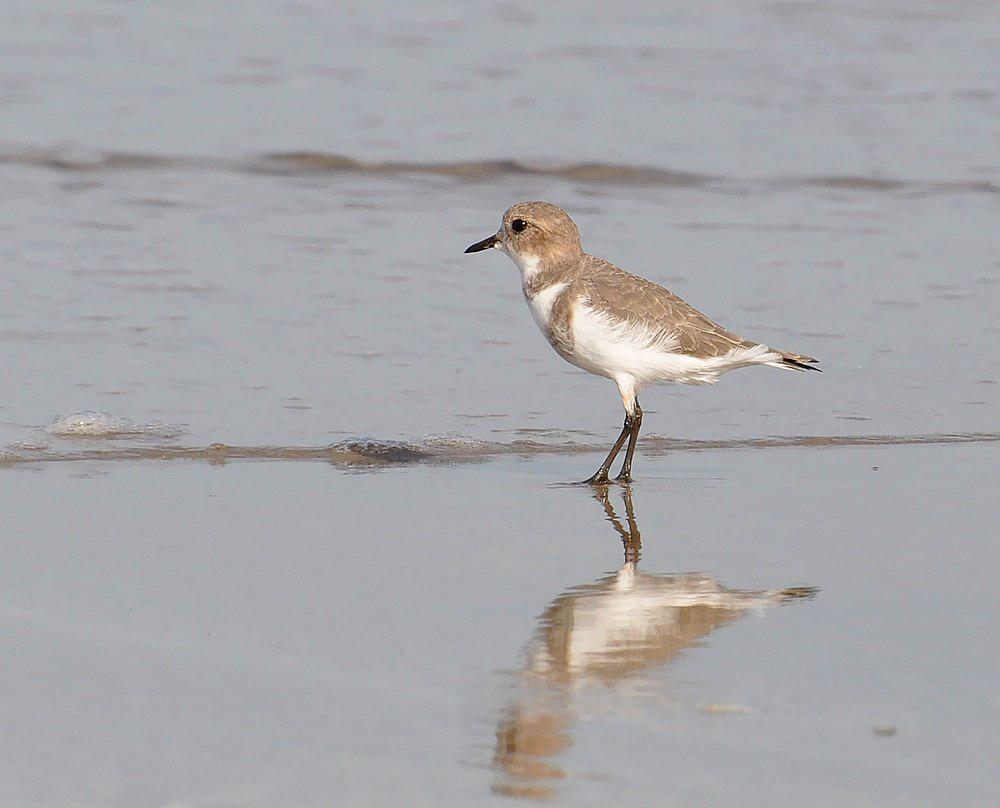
(518, 225)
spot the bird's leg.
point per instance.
(634, 423)
(600, 477)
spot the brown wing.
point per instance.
(636, 300)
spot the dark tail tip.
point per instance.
(801, 364)
(799, 592)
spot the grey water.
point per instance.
(307, 543)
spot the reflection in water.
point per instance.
(606, 632)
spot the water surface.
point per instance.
(284, 514)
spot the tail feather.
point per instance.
(793, 361)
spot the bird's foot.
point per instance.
(624, 477)
(599, 478)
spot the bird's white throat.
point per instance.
(529, 265)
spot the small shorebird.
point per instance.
(615, 324)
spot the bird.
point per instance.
(614, 324)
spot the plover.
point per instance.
(615, 324)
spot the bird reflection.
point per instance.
(605, 632)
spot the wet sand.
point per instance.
(278, 632)
(380, 453)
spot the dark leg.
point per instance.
(600, 477)
(625, 476)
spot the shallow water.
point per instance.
(897, 87)
(288, 310)
(282, 468)
(233, 273)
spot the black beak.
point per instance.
(485, 244)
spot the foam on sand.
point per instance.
(97, 424)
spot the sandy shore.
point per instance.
(185, 633)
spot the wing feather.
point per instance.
(673, 321)
(643, 303)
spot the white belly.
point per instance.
(615, 348)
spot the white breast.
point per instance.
(541, 304)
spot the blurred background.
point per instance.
(247, 219)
